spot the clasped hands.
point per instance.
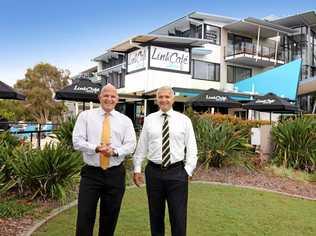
(105, 149)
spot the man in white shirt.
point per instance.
(168, 141)
(103, 176)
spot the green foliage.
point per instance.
(6, 183)
(15, 209)
(295, 142)
(47, 173)
(64, 131)
(9, 140)
(9, 115)
(39, 84)
(14, 110)
(220, 144)
(7, 144)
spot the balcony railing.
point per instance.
(264, 52)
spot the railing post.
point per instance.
(39, 136)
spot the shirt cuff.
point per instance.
(187, 169)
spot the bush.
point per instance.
(47, 173)
(9, 140)
(64, 131)
(295, 141)
(220, 144)
(8, 143)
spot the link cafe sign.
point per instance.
(160, 58)
(87, 89)
(216, 98)
(136, 60)
(170, 59)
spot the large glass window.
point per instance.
(212, 33)
(239, 44)
(236, 73)
(195, 31)
(206, 70)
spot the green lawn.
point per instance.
(213, 210)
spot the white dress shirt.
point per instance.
(181, 136)
(87, 134)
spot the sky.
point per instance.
(70, 33)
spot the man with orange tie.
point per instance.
(104, 136)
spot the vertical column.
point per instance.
(308, 64)
(258, 41)
(276, 48)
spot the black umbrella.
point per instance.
(214, 98)
(6, 92)
(82, 90)
(271, 103)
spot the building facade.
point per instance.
(201, 51)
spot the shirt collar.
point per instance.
(102, 112)
(169, 113)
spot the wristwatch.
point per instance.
(115, 153)
(97, 149)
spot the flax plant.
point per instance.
(295, 143)
(219, 144)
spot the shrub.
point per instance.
(8, 143)
(9, 140)
(47, 173)
(64, 131)
(220, 143)
(295, 143)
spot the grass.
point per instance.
(14, 208)
(213, 210)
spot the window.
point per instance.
(235, 73)
(212, 33)
(206, 70)
(239, 44)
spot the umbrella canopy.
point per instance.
(214, 98)
(6, 92)
(271, 103)
(83, 90)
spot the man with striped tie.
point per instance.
(104, 136)
(168, 141)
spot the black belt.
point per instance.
(159, 166)
(99, 168)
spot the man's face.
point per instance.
(165, 100)
(108, 99)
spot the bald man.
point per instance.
(105, 137)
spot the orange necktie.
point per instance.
(106, 132)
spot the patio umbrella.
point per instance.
(82, 90)
(271, 103)
(6, 92)
(214, 98)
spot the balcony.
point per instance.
(245, 53)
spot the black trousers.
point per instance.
(106, 185)
(169, 186)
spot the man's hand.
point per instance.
(106, 150)
(138, 179)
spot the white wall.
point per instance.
(214, 56)
(153, 79)
(135, 82)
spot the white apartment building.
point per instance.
(201, 51)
